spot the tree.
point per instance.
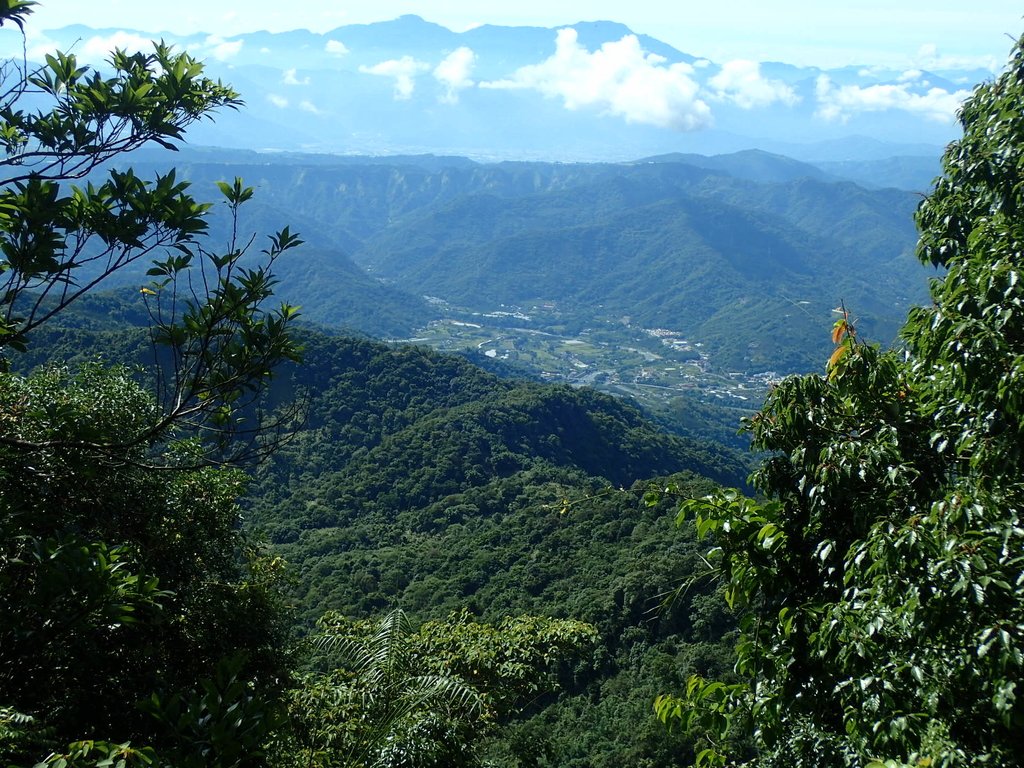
(395, 696)
(137, 622)
(59, 242)
(881, 573)
(115, 576)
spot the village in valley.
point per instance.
(615, 355)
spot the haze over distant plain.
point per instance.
(572, 81)
(929, 34)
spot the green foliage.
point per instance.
(112, 573)
(968, 340)
(880, 575)
(506, 548)
(399, 697)
(80, 119)
(123, 572)
(58, 241)
(99, 754)
(507, 660)
(226, 722)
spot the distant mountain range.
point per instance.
(591, 91)
(747, 252)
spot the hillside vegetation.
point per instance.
(419, 481)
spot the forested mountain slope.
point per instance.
(751, 268)
(222, 517)
(419, 480)
(398, 439)
(392, 433)
(747, 253)
(422, 482)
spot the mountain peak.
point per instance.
(603, 27)
(594, 34)
(410, 23)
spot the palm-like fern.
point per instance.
(400, 716)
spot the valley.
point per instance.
(651, 366)
(744, 254)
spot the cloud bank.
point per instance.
(403, 71)
(97, 49)
(618, 79)
(454, 73)
(290, 77)
(843, 102)
(221, 49)
(335, 48)
(742, 83)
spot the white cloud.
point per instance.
(454, 73)
(843, 102)
(619, 79)
(308, 106)
(910, 76)
(336, 48)
(290, 78)
(929, 57)
(403, 70)
(221, 49)
(97, 49)
(278, 101)
(742, 83)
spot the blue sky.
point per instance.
(932, 34)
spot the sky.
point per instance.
(931, 34)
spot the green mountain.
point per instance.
(747, 253)
(392, 432)
(751, 164)
(420, 480)
(320, 277)
(910, 172)
(752, 269)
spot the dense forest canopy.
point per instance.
(124, 577)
